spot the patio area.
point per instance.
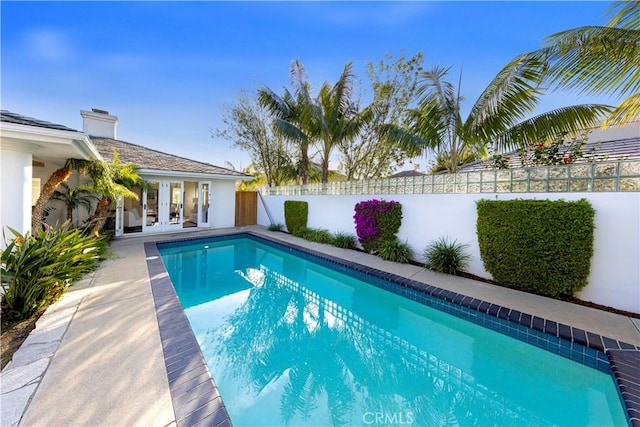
(96, 356)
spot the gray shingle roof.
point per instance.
(147, 158)
(407, 174)
(9, 117)
(618, 149)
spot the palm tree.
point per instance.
(289, 112)
(59, 176)
(111, 180)
(600, 60)
(334, 118)
(74, 198)
(497, 117)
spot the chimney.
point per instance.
(99, 123)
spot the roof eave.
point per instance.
(78, 140)
(161, 172)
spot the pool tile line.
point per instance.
(618, 358)
(599, 352)
(625, 365)
(194, 394)
(549, 327)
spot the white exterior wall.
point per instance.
(58, 215)
(615, 267)
(223, 203)
(15, 198)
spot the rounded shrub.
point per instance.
(275, 227)
(296, 213)
(542, 246)
(445, 256)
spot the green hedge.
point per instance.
(541, 246)
(296, 213)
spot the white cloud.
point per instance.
(49, 45)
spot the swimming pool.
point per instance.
(290, 341)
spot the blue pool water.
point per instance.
(289, 342)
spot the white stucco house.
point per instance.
(183, 194)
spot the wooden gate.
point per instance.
(246, 208)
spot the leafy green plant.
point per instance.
(344, 240)
(394, 250)
(301, 232)
(296, 213)
(540, 246)
(36, 270)
(74, 198)
(275, 227)
(446, 256)
(318, 235)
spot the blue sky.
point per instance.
(169, 69)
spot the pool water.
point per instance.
(290, 342)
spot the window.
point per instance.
(35, 190)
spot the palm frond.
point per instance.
(512, 95)
(274, 103)
(594, 60)
(411, 142)
(432, 82)
(342, 90)
(291, 131)
(628, 111)
(626, 14)
(552, 124)
(300, 81)
(431, 125)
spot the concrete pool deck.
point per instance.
(95, 357)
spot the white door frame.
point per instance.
(202, 197)
(174, 191)
(152, 221)
(119, 231)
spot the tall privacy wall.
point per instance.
(445, 205)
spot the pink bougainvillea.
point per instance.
(377, 221)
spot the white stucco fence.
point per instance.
(615, 267)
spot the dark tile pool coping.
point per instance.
(195, 396)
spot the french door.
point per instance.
(204, 192)
(176, 205)
(151, 208)
(162, 207)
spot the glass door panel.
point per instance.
(191, 205)
(204, 204)
(176, 205)
(150, 219)
(133, 213)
